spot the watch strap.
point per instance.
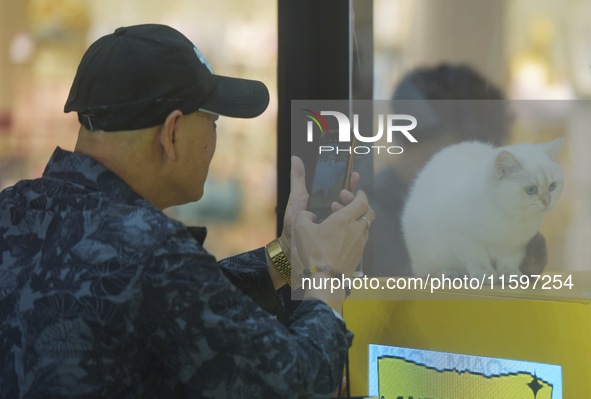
(280, 261)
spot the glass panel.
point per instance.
(494, 50)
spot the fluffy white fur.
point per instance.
(473, 207)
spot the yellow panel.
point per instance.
(548, 331)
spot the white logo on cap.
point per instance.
(203, 60)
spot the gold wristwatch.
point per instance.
(280, 261)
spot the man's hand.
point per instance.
(298, 202)
(340, 239)
(334, 246)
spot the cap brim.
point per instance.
(237, 98)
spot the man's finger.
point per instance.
(298, 177)
(335, 206)
(306, 215)
(346, 196)
(353, 181)
(357, 208)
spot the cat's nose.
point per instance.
(545, 200)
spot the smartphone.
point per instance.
(332, 173)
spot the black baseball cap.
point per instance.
(133, 78)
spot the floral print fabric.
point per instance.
(103, 296)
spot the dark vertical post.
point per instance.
(313, 63)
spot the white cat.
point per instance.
(474, 207)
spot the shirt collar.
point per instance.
(86, 171)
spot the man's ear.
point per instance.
(167, 134)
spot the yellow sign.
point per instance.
(400, 378)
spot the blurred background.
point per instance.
(532, 49)
(41, 43)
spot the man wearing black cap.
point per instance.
(102, 295)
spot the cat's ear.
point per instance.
(553, 148)
(506, 163)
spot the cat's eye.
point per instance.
(552, 186)
(531, 190)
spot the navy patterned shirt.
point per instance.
(104, 296)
